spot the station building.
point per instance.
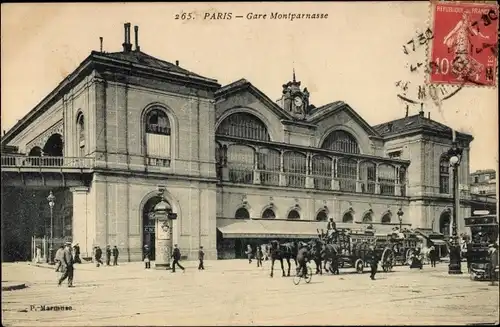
(236, 166)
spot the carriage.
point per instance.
(484, 231)
(403, 245)
(354, 248)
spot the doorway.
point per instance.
(149, 227)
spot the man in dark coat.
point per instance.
(201, 256)
(108, 255)
(67, 266)
(176, 255)
(115, 256)
(373, 259)
(98, 256)
(76, 250)
(493, 263)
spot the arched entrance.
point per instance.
(444, 223)
(149, 226)
(54, 146)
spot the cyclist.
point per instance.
(303, 256)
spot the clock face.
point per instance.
(297, 101)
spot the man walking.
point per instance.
(493, 263)
(201, 256)
(76, 250)
(108, 255)
(98, 256)
(58, 258)
(115, 256)
(373, 259)
(176, 255)
(67, 266)
(248, 252)
(432, 255)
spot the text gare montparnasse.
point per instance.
(260, 16)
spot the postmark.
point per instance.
(464, 46)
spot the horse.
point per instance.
(315, 246)
(283, 251)
(331, 253)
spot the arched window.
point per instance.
(294, 166)
(368, 217)
(80, 124)
(158, 137)
(444, 223)
(387, 179)
(322, 216)
(402, 180)
(322, 172)
(242, 213)
(268, 214)
(240, 161)
(269, 163)
(386, 218)
(293, 214)
(348, 218)
(368, 177)
(347, 174)
(444, 175)
(35, 152)
(54, 146)
(341, 141)
(245, 126)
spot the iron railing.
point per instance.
(46, 162)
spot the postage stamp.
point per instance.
(464, 49)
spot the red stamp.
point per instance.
(465, 45)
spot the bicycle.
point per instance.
(298, 277)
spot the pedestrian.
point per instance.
(115, 256)
(493, 263)
(147, 261)
(58, 257)
(373, 259)
(67, 266)
(469, 256)
(432, 255)
(108, 255)
(76, 251)
(201, 256)
(259, 256)
(38, 257)
(248, 252)
(176, 255)
(98, 256)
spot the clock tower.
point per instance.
(294, 100)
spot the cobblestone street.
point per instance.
(233, 292)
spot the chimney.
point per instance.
(177, 62)
(136, 34)
(422, 110)
(407, 109)
(127, 47)
(100, 40)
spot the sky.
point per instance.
(355, 55)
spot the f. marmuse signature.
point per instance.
(291, 16)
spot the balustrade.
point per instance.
(46, 162)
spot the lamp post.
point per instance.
(455, 266)
(51, 199)
(400, 214)
(163, 245)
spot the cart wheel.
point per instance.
(309, 275)
(296, 279)
(359, 266)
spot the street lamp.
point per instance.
(400, 214)
(455, 266)
(51, 199)
(164, 220)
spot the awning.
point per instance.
(438, 242)
(429, 234)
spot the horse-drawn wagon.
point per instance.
(403, 245)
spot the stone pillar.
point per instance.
(256, 172)
(81, 231)
(377, 183)
(282, 170)
(358, 181)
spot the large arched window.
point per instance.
(245, 126)
(348, 218)
(269, 163)
(80, 125)
(240, 161)
(322, 172)
(268, 214)
(386, 218)
(322, 216)
(294, 166)
(347, 174)
(368, 217)
(242, 213)
(387, 179)
(368, 176)
(158, 137)
(444, 175)
(341, 141)
(293, 214)
(444, 223)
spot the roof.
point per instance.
(484, 171)
(412, 123)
